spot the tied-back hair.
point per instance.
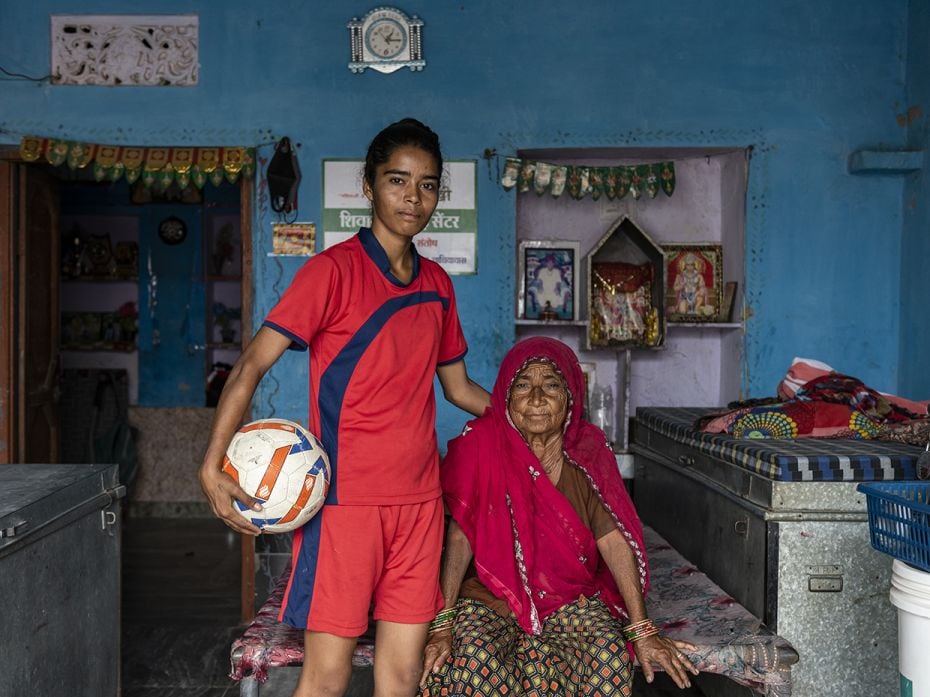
(403, 133)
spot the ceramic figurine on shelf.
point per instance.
(651, 336)
(71, 255)
(126, 256)
(547, 313)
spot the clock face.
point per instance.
(172, 230)
(386, 38)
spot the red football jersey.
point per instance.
(374, 346)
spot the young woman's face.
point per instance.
(404, 193)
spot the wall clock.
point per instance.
(172, 230)
(386, 40)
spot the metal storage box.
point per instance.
(779, 525)
(60, 580)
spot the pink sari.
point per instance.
(530, 547)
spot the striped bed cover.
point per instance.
(787, 460)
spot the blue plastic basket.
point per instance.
(899, 520)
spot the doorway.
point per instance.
(185, 314)
(103, 276)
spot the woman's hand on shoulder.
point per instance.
(667, 653)
(437, 650)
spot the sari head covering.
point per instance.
(530, 547)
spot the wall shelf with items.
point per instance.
(99, 294)
(223, 286)
(699, 362)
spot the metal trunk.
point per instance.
(60, 535)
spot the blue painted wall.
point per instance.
(915, 281)
(805, 83)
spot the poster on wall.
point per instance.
(450, 237)
(293, 239)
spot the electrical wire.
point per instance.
(20, 76)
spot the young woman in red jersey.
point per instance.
(379, 322)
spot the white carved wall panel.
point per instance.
(125, 49)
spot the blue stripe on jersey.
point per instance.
(335, 378)
(303, 576)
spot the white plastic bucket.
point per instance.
(910, 593)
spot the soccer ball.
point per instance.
(282, 465)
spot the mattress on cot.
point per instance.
(784, 459)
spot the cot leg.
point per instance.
(248, 687)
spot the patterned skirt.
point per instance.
(579, 652)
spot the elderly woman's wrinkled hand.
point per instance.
(667, 653)
(438, 649)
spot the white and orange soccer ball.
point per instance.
(282, 465)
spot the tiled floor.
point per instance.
(181, 611)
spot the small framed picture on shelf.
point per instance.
(548, 280)
(694, 273)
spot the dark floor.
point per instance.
(181, 611)
(180, 607)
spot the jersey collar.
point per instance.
(376, 253)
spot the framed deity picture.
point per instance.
(548, 280)
(694, 288)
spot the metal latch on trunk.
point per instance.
(13, 530)
(107, 521)
(826, 578)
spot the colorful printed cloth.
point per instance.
(730, 641)
(580, 651)
(682, 602)
(827, 405)
(268, 643)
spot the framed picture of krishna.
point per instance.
(548, 280)
(694, 286)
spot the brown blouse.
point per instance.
(574, 486)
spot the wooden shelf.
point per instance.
(704, 325)
(584, 323)
(885, 161)
(98, 349)
(99, 279)
(552, 322)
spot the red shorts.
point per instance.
(387, 556)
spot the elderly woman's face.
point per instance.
(538, 401)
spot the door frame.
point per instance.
(20, 396)
(9, 233)
(9, 214)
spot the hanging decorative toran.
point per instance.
(585, 180)
(154, 167)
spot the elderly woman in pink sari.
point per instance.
(544, 572)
